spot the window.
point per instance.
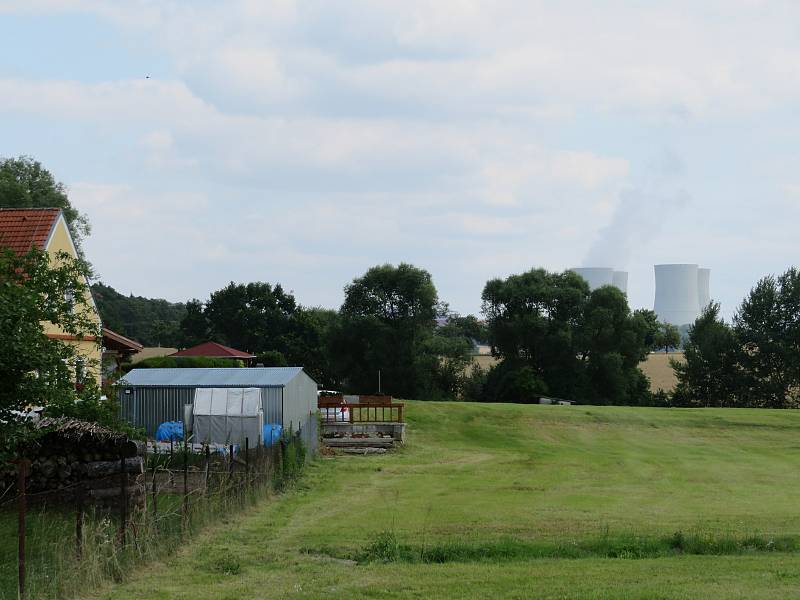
(80, 373)
(69, 299)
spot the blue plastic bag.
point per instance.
(170, 430)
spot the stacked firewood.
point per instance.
(77, 461)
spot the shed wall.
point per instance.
(148, 406)
(300, 408)
(272, 401)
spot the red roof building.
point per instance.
(214, 350)
(24, 228)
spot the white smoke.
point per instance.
(639, 216)
(637, 219)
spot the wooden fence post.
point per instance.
(22, 474)
(155, 486)
(185, 485)
(208, 463)
(247, 462)
(123, 507)
(79, 522)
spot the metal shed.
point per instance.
(148, 397)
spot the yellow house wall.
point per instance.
(61, 241)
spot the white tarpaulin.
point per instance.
(227, 415)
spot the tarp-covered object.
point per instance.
(272, 433)
(170, 430)
(228, 415)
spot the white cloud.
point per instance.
(477, 136)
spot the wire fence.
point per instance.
(84, 533)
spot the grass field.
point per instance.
(519, 501)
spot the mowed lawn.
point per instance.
(484, 477)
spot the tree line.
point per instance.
(551, 334)
(386, 329)
(753, 361)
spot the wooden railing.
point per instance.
(373, 412)
(369, 409)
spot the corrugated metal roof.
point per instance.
(234, 377)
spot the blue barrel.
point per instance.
(271, 434)
(170, 430)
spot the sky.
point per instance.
(301, 142)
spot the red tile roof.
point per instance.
(24, 228)
(213, 350)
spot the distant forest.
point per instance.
(149, 321)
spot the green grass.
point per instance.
(46, 530)
(519, 501)
(53, 569)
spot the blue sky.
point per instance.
(303, 142)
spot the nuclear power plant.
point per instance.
(620, 280)
(599, 276)
(682, 292)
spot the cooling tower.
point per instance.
(596, 276)
(703, 288)
(677, 297)
(620, 280)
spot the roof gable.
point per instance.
(115, 341)
(24, 228)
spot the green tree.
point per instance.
(35, 369)
(467, 327)
(150, 321)
(557, 337)
(308, 343)
(658, 335)
(668, 337)
(612, 343)
(194, 326)
(767, 325)
(387, 324)
(272, 358)
(267, 321)
(254, 317)
(449, 357)
(25, 183)
(711, 374)
(533, 321)
(753, 362)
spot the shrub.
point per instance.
(185, 362)
(272, 358)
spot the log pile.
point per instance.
(73, 459)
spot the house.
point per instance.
(117, 349)
(149, 397)
(151, 352)
(215, 350)
(46, 229)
